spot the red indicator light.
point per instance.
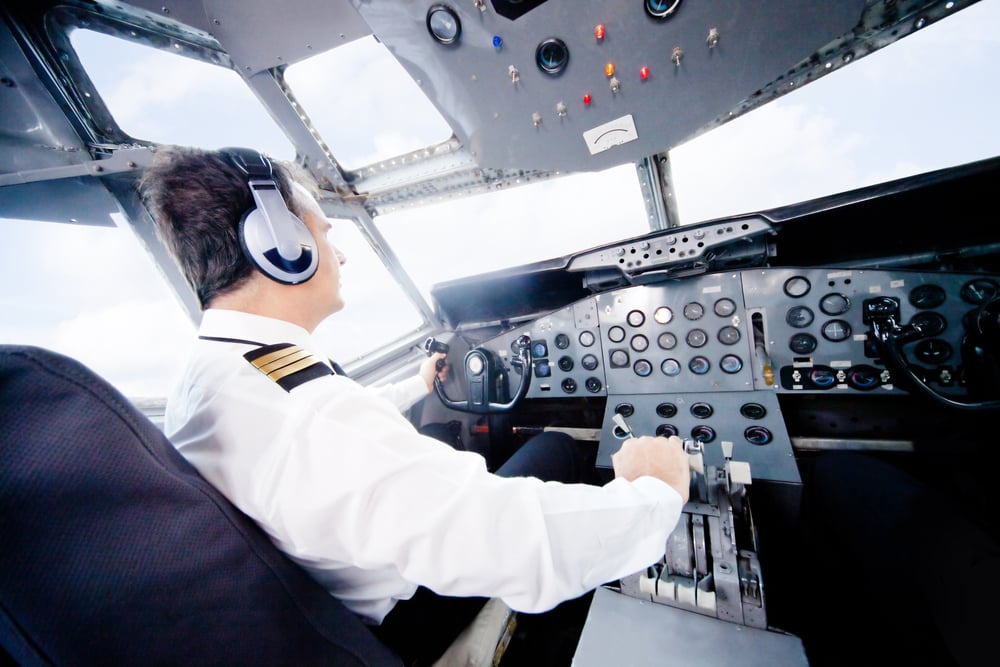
(586, 99)
(599, 32)
(644, 73)
(609, 69)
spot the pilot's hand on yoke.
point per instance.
(429, 369)
(663, 458)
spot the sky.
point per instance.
(927, 102)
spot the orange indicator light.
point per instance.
(609, 69)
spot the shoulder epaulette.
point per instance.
(288, 365)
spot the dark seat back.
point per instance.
(115, 551)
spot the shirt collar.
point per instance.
(220, 323)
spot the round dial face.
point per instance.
(799, 317)
(926, 297)
(694, 311)
(729, 335)
(836, 330)
(978, 290)
(667, 340)
(725, 307)
(835, 304)
(587, 338)
(635, 318)
(797, 286)
(663, 315)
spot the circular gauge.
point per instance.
(542, 368)
(587, 338)
(625, 410)
(666, 410)
(663, 315)
(978, 291)
(701, 410)
(539, 350)
(729, 335)
(834, 304)
(757, 435)
(619, 358)
(724, 307)
(694, 311)
(569, 386)
(666, 430)
(443, 24)
(635, 318)
(836, 330)
(753, 410)
(562, 341)
(552, 56)
(593, 385)
(699, 365)
(670, 367)
(802, 343)
(696, 338)
(933, 351)
(639, 343)
(797, 286)
(666, 341)
(589, 362)
(799, 317)
(703, 432)
(565, 364)
(642, 368)
(823, 377)
(661, 9)
(929, 323)
(616, 334)
(731, 364)
(926, 297)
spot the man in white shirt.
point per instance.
(332, 470)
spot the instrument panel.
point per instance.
(706, 357)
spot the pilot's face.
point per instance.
(326, 281)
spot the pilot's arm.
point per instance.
(404, 394)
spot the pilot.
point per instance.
(410, 534)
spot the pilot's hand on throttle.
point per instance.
(663, 458)
(429, 369)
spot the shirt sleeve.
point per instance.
(403, 394)
(355, 482)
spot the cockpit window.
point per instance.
(364, 104)
(376, 311)
(923, 103)
(506, 228)
(91, 293)
(164, 98)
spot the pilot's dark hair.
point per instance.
(197, 198)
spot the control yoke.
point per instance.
(486, 379)
(979, 350)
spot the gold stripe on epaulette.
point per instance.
(265, 364)
(297, 366)
(284, 362)
(264, 360)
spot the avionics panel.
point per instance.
(705, 357)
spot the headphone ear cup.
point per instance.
(257, 242)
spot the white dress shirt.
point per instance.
(349, 489)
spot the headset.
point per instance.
(273, 238)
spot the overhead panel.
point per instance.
(585, 86)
